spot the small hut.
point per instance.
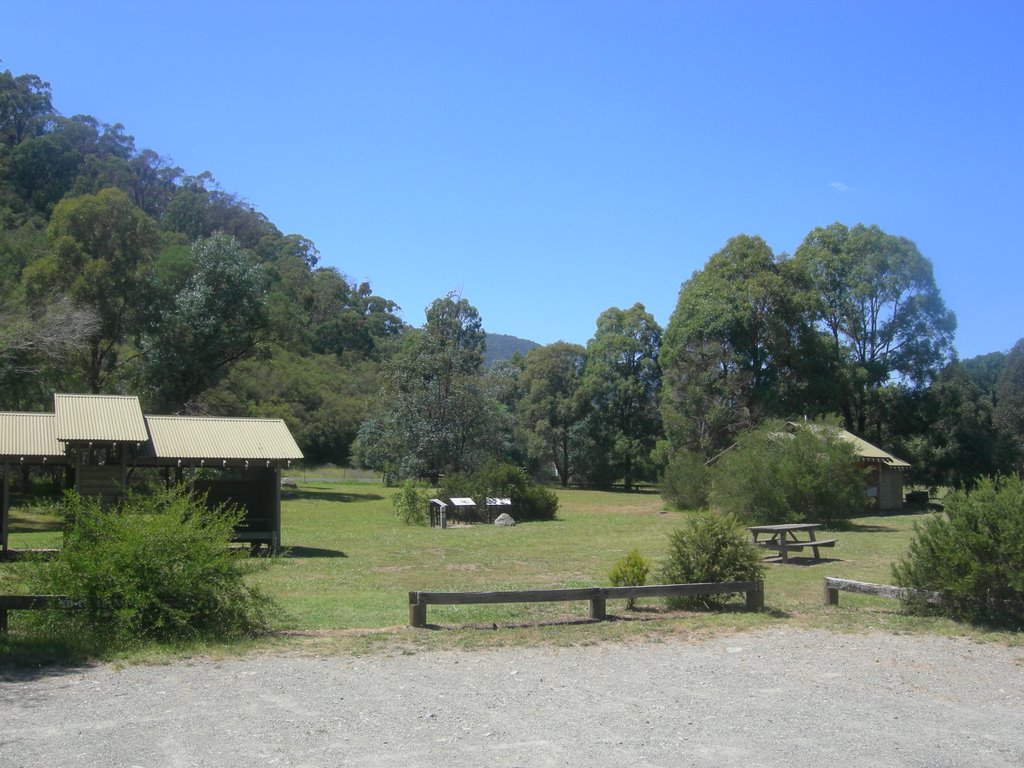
(101, 439)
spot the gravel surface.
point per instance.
(769, 698)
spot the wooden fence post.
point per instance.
(831, 594)
(755, 597)
(597, 608)
(417, 611)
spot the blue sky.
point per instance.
(552, 159)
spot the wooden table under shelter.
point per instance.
(785, 538)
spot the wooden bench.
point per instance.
(418, 601)
(798, 546)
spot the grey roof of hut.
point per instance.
(158, 439)
(211, 438)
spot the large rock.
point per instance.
(504, 519)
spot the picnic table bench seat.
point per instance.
(797, 544)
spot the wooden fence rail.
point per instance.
(833, 586)
(598, 596)
(31, 602)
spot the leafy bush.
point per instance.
(158, 569)
(686, 482)
(778, 475)
(973, 554)
(412, 506)
(709, 548)
(630, 571)
(530, 500)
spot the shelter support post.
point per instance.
(6, 508)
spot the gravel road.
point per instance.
(768, 698)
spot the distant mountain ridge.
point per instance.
(500, 346)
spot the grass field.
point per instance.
(348, 565)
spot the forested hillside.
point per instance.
(123, 273)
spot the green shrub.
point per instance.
(709, 548)
(686, 481)
(530, 500)
(973, 554)
(157, 569)
(412, 505)
(777, 475)
(630, 571)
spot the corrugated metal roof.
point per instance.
(869, 452)
(99, 418)
(195, 437)
(864, 449)
(29, 434)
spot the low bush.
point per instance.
(686, 482)
(156, 569)
(775, 474)
(709, 548)
(973, 555)
(530, 500)
(412, 504)
(630, 571)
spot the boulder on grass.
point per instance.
(504, 519)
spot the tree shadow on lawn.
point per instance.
(312, 552)
(345, 498)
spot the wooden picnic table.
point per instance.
(785, 538)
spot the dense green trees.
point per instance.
(101, 257)
(433, 414)
(873, 297)
(119, 272)
(728, 353)
(1009, 395)
(622, 379)
(554, 406)
(853, 324)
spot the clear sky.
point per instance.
(552, 159)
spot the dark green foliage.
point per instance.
(158, 569)
(435, 414)
(709, 548)
(686, 481)
(411, 503)
(530, 500)
(554, 405)
(782, 474)
(1009, 394)
(728, 350)
(958, 439)
(973, 554)
(621, 378)
(630, 571)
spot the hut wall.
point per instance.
(890, 490)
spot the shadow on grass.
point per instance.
(25, 659)
(345, 498)
(802, 561)
(21, 524)
(639, 613)
(311, 552)
(859, 528)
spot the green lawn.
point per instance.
(349, 564)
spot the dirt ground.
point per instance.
(769, 698)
